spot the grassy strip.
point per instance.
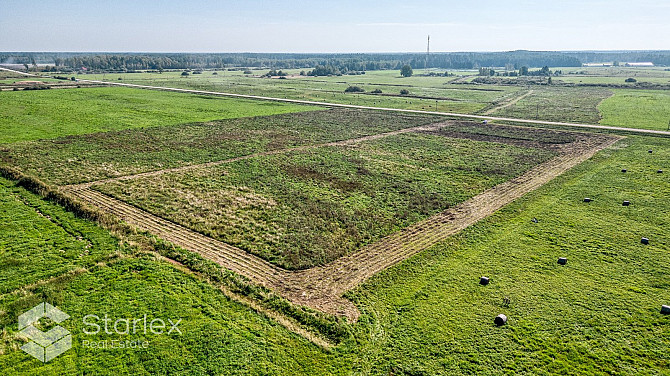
(332, 328)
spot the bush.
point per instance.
(353, 89)
(376, 91)
(214, 73)
(247, 71)
(184, 74)
(404, 92)
(631, 80)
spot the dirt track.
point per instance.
(509, 103)
(322, 287)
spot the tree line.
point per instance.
(326, 63)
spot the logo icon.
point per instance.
(45, 345)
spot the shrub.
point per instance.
(353, 89)
(376, 91)
(631, 80)
(184, 74)
(404, 92)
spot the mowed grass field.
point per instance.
(599, 314)
(307, 208)
(648, 109)
(45, 114)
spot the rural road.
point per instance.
(298, 101)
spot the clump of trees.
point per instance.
(354, 89)
(487, 72)
(275, 73)
(325, 70)
(406, 70)
(545, 71)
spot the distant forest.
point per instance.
(335, 62)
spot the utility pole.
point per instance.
(425, 65)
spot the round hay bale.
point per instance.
(562, 260)
(665, 310)
(500, 320)
(644, 241)
(484, 281)
(626, 203)
(587, 199)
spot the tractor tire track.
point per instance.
(509, 103)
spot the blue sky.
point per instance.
(332, 26)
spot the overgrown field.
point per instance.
(647, 109)
(306, 208)
(45, 114)
(566, 104)
(81, 158)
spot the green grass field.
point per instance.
(47, 254)
(45, 114)
(648, 109)
(450, 98)
(307, 208)
(596, 315)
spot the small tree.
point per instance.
(406, 71)
(523, 71)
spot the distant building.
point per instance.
(598, 64)
(645, 64)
